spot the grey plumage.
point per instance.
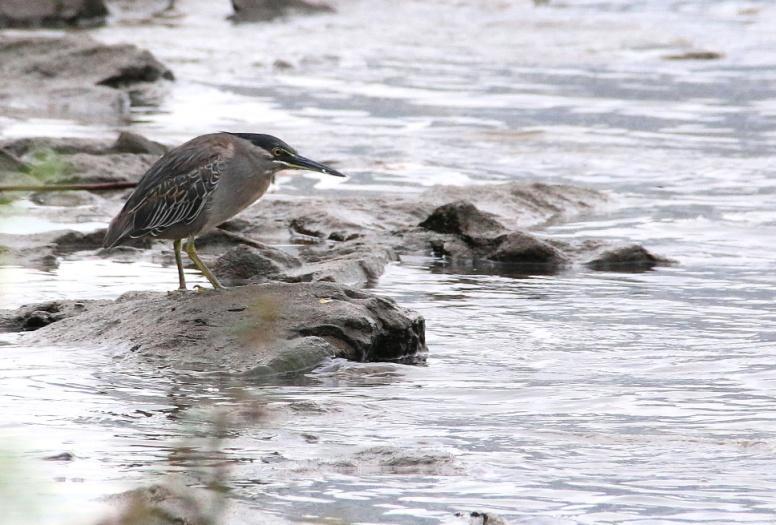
(200, 184)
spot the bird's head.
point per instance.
(283, 156)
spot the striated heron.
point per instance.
(199, 185)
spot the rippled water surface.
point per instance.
(585, 397)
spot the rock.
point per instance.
(266, 10)
(282, 65)
(128, 142)
(63, 198)
(695, 55)
(464, 219)
(74, 241)
(520, 205)
(34, 317)
(87, 160)
(63, 456)
(139, 10)
(61, 145)
(631, 258)
(357, 265)
(89, 103)
(354, 236)
(398, 461)
(342, 236)
(30, 250)
(523, 248)
(244, 263)
(72, 75)
(10, 162)
(469, 233)
(111, 167)
(159, 505)
(481, 518)
(451, 247)
(182, 504)
(80, 59)
(244, 329)
(50, 13)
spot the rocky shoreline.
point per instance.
(297, 266)
(301, 302)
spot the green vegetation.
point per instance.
(47, 166)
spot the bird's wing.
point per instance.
(174, 190)
(175, 200)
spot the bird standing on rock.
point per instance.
(199, 185)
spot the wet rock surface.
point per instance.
(33, 317)
(243, 263)
(464, 219)
(266, 10)
(630, 258)
(480, 518)
(73, 76)
(10, 162)
(256, 330)
(49, 13)
(522, 247)
(84, 160)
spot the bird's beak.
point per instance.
(298, 162)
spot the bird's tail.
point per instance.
(118, 230)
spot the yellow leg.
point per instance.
(181, 278)
(192, 252)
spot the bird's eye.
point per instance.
(277, 151)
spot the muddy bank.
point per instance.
(75, 76)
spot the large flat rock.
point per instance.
(73, 76)
(257, 330)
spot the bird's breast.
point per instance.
(233, 196)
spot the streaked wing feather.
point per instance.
(176, 200)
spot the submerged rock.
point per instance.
(481, 518)
(695, 55)
(256, 329)
(266, 10)
(62, 456)
(50, 13)
(630, 258)
(524, 248)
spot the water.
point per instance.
(584, 397)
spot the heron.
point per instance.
(200, 184)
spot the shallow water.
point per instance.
(585, 397)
